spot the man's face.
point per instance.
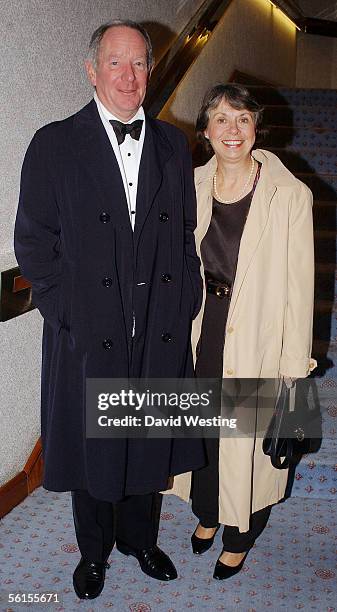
(121, 74)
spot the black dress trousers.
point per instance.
(98, 524)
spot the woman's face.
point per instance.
(231, 132)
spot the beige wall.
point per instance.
(253, 38)
(316, 61)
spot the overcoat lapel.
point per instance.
(156, 152)
(252, 233)
(204, 195)
(91, 144)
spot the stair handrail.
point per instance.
(305, 23)
(187, 47)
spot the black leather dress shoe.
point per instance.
(223, 571)
(88, 578)
(201, 545)
(153, 561)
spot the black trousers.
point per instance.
(205, 504)
(98, 524)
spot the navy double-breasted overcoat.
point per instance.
(90, 272)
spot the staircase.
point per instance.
(303, 133)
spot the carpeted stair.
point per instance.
(302, 132)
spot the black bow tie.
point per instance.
(121, 129)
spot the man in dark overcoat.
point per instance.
(104, 232)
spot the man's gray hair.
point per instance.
(97, 36)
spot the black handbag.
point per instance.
(288, 434)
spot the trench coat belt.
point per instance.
(221, 290)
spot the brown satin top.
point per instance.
(220, 246)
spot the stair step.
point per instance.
(301, 116)
(321, 161)
(323, 186)
(292, 137)
(294, 97)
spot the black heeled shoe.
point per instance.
(223, 571)
(201, 545)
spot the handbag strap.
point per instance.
(287, 444)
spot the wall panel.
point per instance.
(253, 38)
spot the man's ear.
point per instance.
(91, 72)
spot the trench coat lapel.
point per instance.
(91, 144)
(155, 154)
(203, 185)
(255, 225)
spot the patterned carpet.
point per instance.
(292, 567)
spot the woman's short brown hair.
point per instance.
(235, 95)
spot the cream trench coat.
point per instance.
(269, 324)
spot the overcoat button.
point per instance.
(166, 337)
(163, 216)
(107, 344)
(166, 278)
(104, 217)
(107, 282)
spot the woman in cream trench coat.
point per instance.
(269, 323)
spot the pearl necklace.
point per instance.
(238, 198)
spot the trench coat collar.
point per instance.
(90, 142)
(273, 169)
(273, 175)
